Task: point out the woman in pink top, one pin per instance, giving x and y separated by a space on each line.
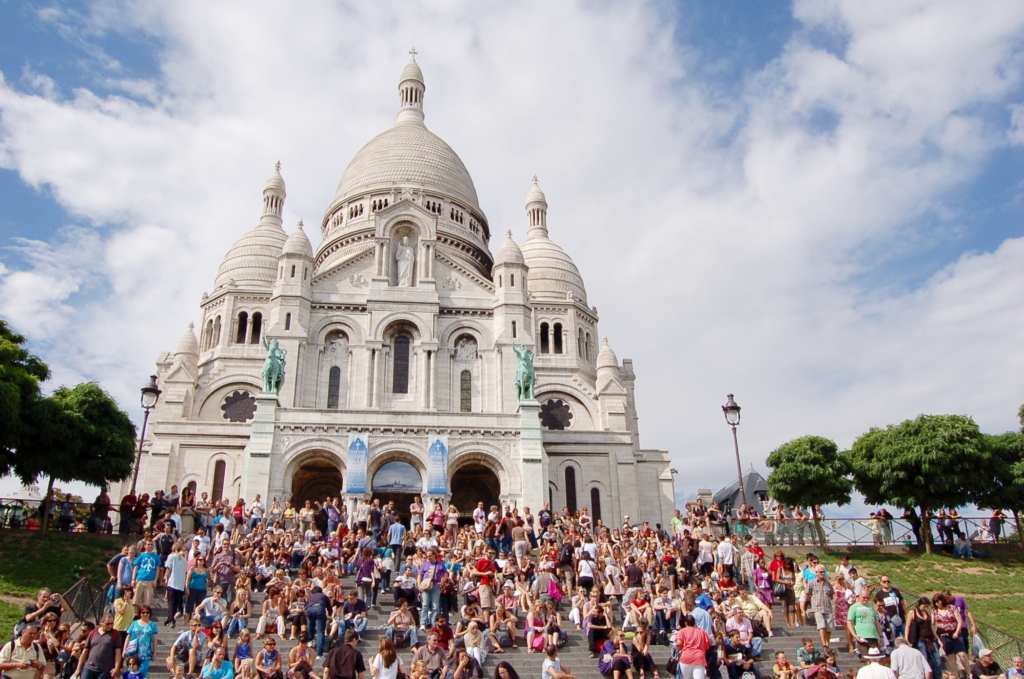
692 644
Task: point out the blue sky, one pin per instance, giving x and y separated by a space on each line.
818 203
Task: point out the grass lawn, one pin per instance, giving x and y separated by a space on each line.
993 587
29 562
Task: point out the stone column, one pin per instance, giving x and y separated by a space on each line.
256 456
533 458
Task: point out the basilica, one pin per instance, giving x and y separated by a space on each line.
400 337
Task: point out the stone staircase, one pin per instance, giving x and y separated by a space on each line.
574 654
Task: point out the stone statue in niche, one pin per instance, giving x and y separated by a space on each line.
405 257
465 349
337 346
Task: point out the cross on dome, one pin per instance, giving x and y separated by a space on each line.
535 180
413 53
277 166
300 224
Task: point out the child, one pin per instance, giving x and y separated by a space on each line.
419 670
134 670
782 668
243 650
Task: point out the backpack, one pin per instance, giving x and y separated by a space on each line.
116 637
565 558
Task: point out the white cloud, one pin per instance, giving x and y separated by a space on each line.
726 241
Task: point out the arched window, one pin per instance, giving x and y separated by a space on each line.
499 281
400 384
558 338
513 329
545 344
570 489
587 346
243 328
333 387
208 335
595 503
293 271
287 321
512 280
579 345
219 470
216 332
257 328
466 391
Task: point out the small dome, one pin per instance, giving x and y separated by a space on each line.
606 358
188 345
298 243
509 253
253 259
535 195
276 181
412 72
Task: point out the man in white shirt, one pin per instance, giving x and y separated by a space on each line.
256 513
907 662
875 666
479 518
726 556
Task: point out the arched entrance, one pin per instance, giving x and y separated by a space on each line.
473 483
317 478
399 482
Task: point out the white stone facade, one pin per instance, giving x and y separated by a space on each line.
401 326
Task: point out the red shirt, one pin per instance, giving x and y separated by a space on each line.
444 635
693 643
486 566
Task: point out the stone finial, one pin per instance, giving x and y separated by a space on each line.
413 53
535 180
300 224
606 341
277 166
509 233
191 326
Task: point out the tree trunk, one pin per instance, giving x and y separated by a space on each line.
926 530
47 503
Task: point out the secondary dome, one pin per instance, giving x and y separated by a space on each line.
252 260
298 243
408 155
552 274
188 345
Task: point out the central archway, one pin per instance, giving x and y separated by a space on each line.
316 478
399 482
473 483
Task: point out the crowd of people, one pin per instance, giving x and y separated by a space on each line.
455 588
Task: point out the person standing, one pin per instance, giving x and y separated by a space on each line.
875 666
145 567
431 572
176 567
101 655
823 603
862 621
895 605
907 662
344 661
318 610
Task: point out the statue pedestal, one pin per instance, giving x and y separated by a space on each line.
256 456
533 459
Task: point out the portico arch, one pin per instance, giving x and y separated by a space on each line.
476 477
313 475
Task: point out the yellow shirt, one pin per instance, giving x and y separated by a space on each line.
124 612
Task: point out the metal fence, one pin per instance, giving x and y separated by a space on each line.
845 532
27 514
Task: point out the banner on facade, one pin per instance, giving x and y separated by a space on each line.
437 465
357 463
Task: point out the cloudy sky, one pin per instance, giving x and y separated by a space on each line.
816 206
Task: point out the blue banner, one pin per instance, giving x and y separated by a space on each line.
357 452
437 466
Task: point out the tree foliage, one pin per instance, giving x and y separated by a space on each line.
929 462
20 375
78 434
809 471
1004 486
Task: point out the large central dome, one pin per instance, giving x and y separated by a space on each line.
408 155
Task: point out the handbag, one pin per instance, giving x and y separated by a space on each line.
672 666
427 584
554 591
779 589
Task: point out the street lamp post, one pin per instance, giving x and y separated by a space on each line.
150 394
732 416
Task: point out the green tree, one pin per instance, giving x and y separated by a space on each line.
20 375
928 462
1004 487
809 471
77 434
